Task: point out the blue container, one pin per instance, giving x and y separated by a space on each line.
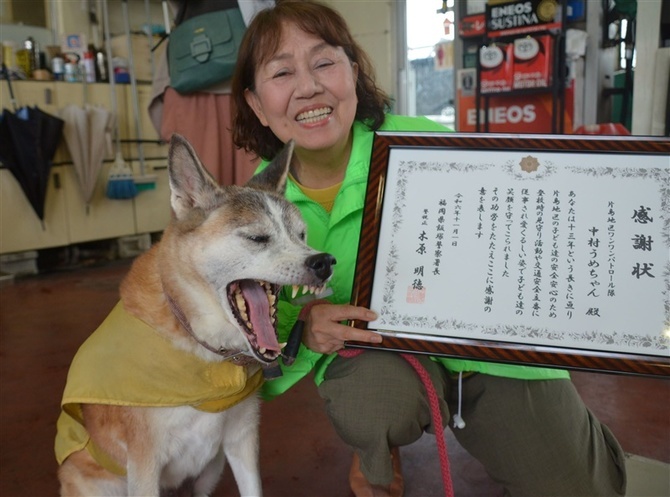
575 10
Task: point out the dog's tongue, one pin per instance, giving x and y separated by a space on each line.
258 309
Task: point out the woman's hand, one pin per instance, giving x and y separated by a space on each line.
325 334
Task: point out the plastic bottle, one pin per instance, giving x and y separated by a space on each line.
30 64
101 70
72 72
9 54
89 67
58 68
23 62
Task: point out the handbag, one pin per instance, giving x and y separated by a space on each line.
202 50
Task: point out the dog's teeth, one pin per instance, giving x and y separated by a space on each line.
272 299
240 302
305 289
295 291
319 290
262 350
272 319
282 345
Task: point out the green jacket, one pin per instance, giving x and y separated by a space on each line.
338 234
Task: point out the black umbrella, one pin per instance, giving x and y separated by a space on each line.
28 141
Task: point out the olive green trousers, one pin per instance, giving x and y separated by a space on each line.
534 437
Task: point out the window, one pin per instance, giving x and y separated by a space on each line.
428 80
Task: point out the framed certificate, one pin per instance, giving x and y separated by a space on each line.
528 249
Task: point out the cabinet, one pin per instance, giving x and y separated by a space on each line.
152 207
68 219
20 228
102 218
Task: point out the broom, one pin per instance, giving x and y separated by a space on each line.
120 182
144 181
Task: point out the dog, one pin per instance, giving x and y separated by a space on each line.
164 392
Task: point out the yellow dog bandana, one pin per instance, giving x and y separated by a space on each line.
126 363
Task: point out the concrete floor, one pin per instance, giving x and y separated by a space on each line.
44 319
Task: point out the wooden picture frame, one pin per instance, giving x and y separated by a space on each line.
548 250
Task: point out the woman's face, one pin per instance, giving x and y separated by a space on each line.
306 92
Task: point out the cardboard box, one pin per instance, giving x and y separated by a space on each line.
497 67
533 58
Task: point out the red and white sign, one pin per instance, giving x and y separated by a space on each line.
509 114
532 62
497 66
474 25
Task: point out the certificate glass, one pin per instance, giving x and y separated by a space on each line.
544 250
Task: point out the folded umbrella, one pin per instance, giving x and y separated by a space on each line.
86 132
28 142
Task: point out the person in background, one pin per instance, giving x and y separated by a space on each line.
172 112
302 76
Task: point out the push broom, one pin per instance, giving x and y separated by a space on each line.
120 181
144 181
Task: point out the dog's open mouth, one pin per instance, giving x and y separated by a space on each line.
254 304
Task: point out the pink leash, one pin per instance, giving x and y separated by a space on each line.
434 410
294 342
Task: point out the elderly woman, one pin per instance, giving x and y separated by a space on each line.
302 76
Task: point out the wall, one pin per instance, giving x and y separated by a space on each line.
21 11
72 17
369 21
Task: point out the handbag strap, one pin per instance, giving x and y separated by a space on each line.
193 8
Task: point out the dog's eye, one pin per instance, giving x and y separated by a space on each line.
259 238
303 236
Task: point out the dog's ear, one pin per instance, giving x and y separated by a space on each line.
273 177
191 185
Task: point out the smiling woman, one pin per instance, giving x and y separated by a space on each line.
325 50
306 92
302 76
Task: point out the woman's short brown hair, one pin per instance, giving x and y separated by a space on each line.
260 43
